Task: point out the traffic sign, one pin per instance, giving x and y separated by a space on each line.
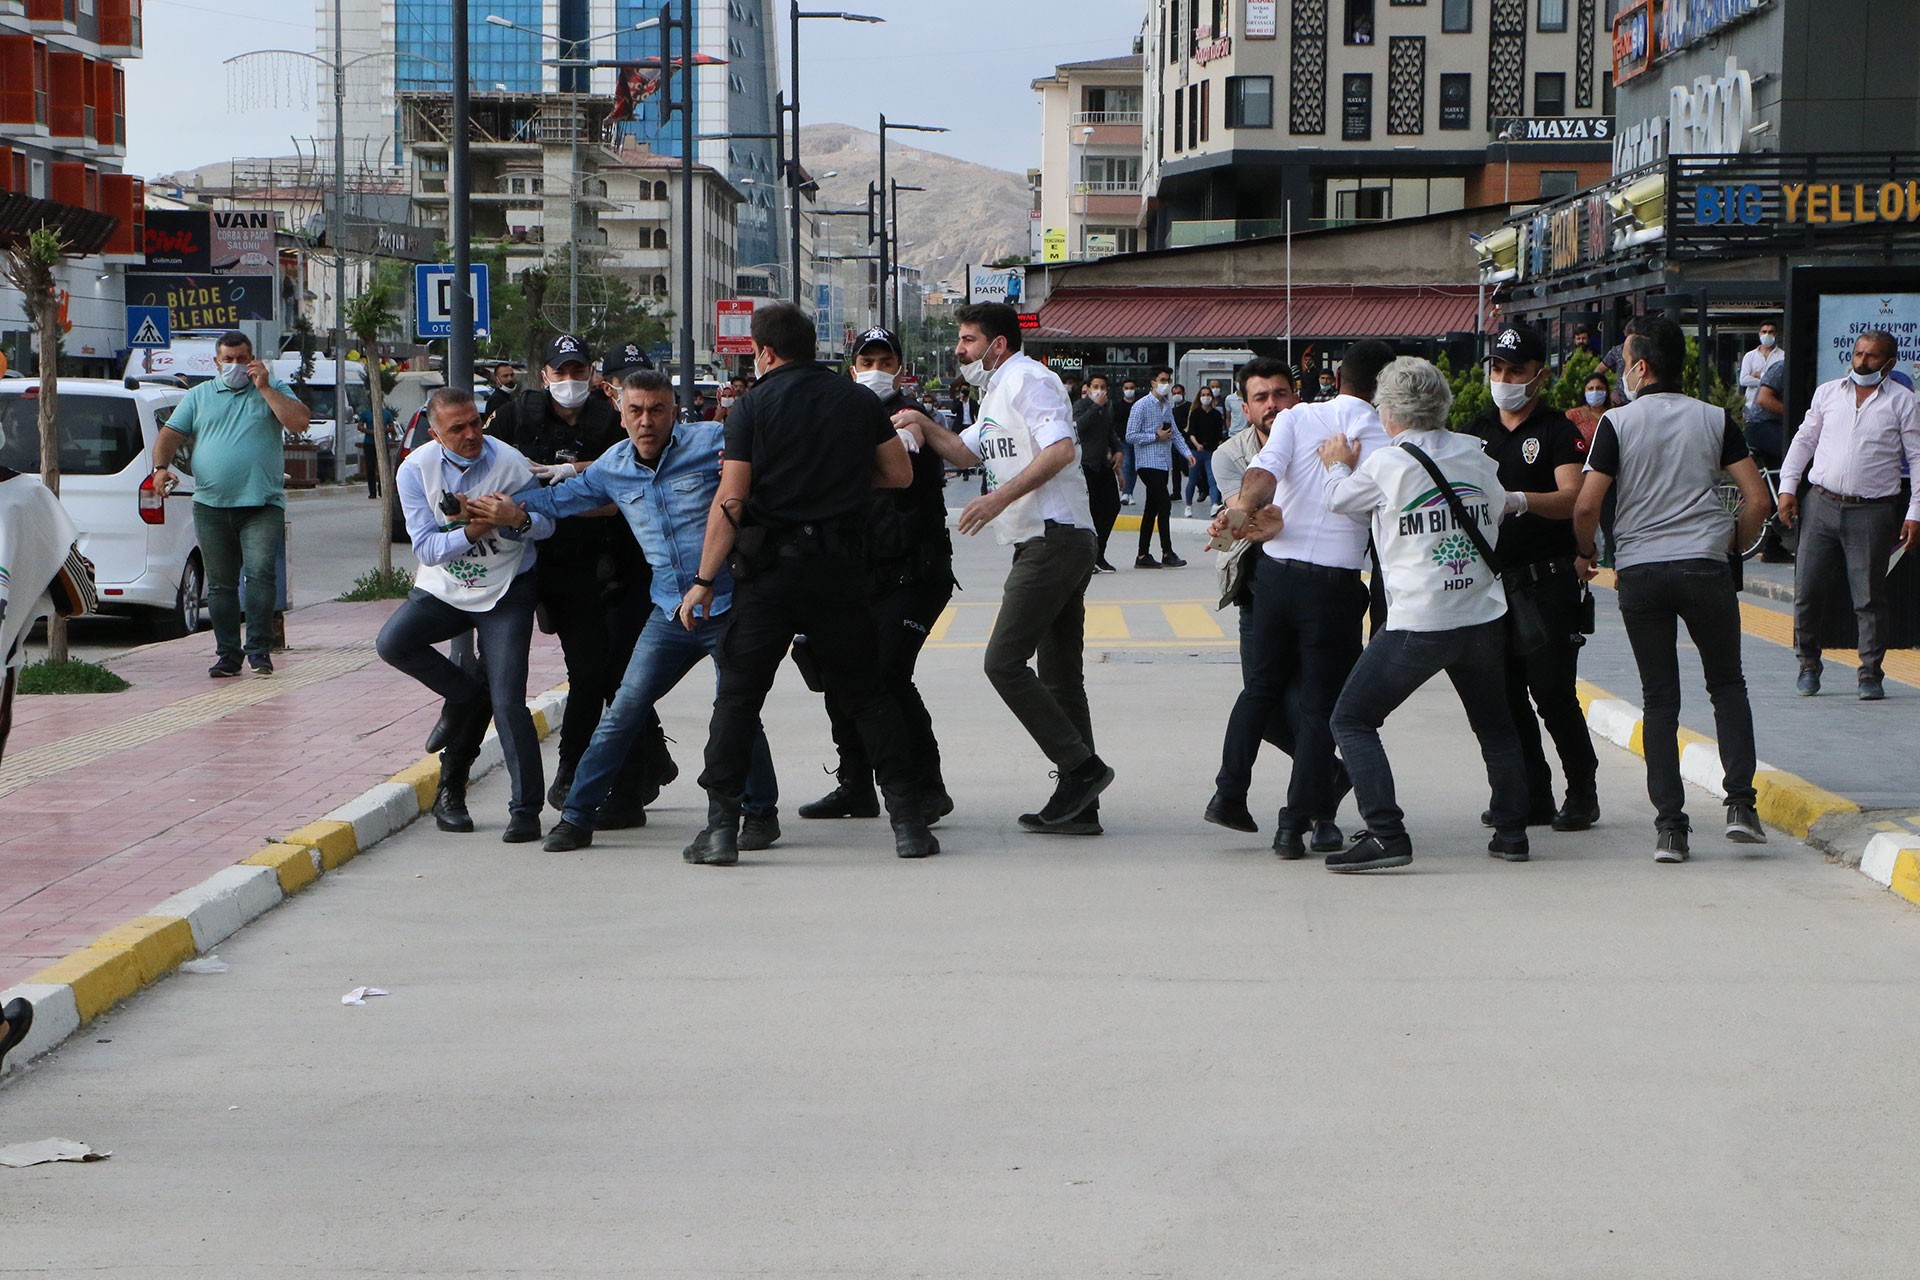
733 327
149 327
433 300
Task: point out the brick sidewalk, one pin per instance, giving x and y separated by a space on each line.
110 803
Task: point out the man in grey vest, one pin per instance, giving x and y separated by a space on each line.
1650 476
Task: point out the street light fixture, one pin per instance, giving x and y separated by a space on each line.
893 190
885 127
794 15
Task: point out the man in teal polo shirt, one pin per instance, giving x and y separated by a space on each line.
236 425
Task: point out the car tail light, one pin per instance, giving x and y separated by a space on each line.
153 503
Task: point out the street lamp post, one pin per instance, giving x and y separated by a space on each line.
885 126
794 15
894 189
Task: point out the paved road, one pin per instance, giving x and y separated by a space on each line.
1158 1053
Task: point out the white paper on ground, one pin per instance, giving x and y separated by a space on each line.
359 994
206 964
48 1151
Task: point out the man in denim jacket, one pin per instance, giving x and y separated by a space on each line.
662 479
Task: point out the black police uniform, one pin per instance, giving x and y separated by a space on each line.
1536 556
1100 439
910 576
593 585
800 568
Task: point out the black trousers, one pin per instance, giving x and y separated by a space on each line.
1159 507
597 635
823 597
1544 680
1306 638
1103 499
902 618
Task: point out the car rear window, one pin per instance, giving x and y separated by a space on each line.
99 435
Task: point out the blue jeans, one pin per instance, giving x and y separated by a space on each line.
233 539
1395 664
505 633
1200 477
664 654
1127 470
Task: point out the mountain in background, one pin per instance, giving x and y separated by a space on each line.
968 213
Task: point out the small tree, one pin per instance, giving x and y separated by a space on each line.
367 317
29 268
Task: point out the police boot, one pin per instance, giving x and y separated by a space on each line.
719 844
907 811
450 801
657 768
853 798
457 723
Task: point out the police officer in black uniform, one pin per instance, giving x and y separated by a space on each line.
805 448
591 570
1541 453
910 575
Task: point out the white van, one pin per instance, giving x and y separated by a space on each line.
146 556
339 445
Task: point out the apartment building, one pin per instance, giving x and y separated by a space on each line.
1088 184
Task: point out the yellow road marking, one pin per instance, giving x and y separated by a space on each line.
1106 622
943 625
1191 621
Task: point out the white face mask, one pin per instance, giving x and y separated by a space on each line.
234 376
1098 395
1206 402
1163 389
975 371
1596 398
569 393
1511 396
878 381
1627 388
1767 340
1867 379
1131 393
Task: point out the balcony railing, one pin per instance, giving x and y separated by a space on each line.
1107 188
1106 117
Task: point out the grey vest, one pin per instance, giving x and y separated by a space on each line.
1665 507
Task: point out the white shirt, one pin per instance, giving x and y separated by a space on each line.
1753 366
1292 457
1024 411
1236 414
1856 449
1436 579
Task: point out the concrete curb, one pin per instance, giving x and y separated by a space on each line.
78 988
1785 800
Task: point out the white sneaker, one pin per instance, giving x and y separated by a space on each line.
1126 499
1189 511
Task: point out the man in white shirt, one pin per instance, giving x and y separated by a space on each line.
1308 601
1037 501
1850 446
1754 364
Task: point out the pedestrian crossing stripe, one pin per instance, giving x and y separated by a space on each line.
147 335
1133 624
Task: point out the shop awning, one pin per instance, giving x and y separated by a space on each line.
1235 314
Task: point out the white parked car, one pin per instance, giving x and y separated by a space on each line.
145 554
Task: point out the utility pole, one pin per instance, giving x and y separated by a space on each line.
794 15
684 106
338 234
459 370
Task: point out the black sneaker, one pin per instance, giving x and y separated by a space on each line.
1369 852
713 847
1172 561
1513 848
1230 813
853 798
565 838
1289 845
1086 824
759 831
1671 845
1145 562
1577 814
1079 787
1743 825
224 669
1327 837
1104 567
262 665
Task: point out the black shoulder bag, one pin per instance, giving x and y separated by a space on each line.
1526 629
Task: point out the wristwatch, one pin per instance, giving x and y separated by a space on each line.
699 581
525 526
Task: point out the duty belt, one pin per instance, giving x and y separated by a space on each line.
1540 570
1848 499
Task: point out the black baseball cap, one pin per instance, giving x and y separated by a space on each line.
626 358
566 349
878 336
1516 344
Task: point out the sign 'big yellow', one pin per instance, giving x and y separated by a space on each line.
1834 202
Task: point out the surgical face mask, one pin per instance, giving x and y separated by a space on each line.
1098 395
1163 389
1596 398
1627 388
569 393
1131 393
1177 398
1511 396
725 401
1206 401
1767 340
975 372
878 381
234 375
1867 379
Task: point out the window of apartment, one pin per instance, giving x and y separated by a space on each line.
1607 99
1553 15
1457 15
1456 100
1356 114
1179 120
1206 110
1374 204
1170 33
1558 182
1359 22
1113 173
1249 102
1550 93
1193 116
37 180
1111 104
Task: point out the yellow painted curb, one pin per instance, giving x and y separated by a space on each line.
1126 524
1906 876
158 943
423 777
293 863
334 840
1794 804
539 723
119 962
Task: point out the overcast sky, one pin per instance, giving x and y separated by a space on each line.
968 67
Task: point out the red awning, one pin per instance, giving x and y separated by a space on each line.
1224 313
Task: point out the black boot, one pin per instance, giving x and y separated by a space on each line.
562 783
853 798
657 769
907 811
718 845
450 802
457 723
